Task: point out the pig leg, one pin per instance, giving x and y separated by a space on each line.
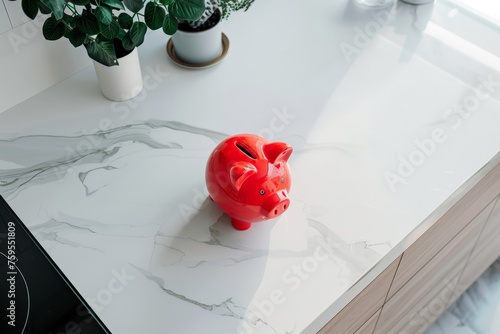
240 225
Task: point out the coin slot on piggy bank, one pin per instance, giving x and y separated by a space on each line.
245 150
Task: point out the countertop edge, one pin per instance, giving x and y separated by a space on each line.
401 247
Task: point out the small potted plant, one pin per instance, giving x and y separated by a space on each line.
200 42
111 31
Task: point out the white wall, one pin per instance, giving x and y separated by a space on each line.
28 63
16 14
4 19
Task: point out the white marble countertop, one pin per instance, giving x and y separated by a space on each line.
393 114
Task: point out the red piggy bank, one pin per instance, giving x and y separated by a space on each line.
249 179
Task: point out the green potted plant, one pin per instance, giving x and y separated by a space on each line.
111 30
200 42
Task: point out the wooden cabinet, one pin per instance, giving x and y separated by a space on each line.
486 250
490 231
369 326
447 227
363 306
433 271
436 266
405 311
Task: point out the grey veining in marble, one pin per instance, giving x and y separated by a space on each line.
42 158
130 198
192 241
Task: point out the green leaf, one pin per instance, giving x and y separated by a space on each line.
117 4
52 29
166 2
110 31
121 34
30 8
70 20
56 6
43 9
125 20
76 37
79 2
187 9
137 32
102 52
88 23
154 16
127 42
103 15
170 25
134 5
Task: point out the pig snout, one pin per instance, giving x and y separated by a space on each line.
276 204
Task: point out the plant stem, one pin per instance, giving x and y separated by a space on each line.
72 8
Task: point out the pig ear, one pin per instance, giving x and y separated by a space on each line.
276 152
239 172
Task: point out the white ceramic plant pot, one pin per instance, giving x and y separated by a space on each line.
198 47
416 2
122 82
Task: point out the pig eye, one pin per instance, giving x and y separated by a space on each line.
282 180
262 192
